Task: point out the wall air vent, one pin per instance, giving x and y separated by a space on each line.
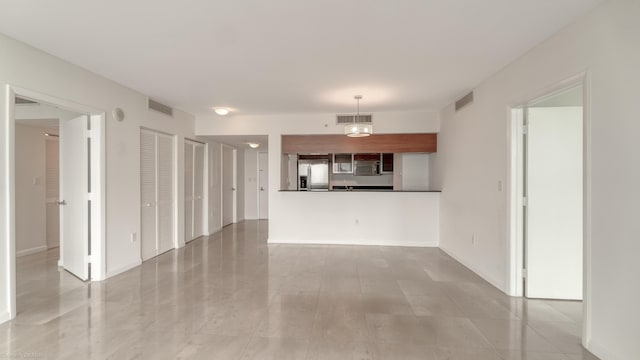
464 101
23 101
348 119
160 107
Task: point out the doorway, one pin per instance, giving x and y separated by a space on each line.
548 194
228 185
81 194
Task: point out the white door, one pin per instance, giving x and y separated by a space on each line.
198 190
165 193
74 238
156 189
52 165
263 185
188 191
553 231
148 211
228 185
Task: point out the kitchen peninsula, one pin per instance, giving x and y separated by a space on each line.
366 191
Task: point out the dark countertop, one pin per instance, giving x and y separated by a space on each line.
365 190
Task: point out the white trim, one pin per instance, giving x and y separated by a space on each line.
475 269
587 206
32 250
99 208
125 268
514 203
349 242
4 316
10 234
235 186
215 231
601 352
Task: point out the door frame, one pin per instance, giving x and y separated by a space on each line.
514 221
98 160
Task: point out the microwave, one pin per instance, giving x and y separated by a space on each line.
366 167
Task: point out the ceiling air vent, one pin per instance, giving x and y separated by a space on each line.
348 119
160 107
464 101
23 101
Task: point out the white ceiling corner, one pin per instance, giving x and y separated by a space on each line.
291 56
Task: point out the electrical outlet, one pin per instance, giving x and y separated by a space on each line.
499 185
134 237
473 239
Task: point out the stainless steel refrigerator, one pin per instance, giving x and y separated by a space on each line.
313 175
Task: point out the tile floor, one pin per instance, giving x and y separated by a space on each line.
232 296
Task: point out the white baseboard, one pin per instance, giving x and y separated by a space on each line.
4 317
353 242
33 250
473 268
122 269
601 352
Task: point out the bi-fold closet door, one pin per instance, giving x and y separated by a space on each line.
157 193
194 189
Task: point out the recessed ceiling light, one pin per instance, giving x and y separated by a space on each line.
253 145
221 111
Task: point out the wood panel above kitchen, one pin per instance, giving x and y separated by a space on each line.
377 143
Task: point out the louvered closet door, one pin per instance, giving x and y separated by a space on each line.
188 191
148 192
165 192
198 190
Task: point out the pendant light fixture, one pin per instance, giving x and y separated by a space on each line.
357 128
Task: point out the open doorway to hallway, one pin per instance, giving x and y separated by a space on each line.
38 221
547 191
57 240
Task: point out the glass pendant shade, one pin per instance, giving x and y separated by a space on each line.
357 128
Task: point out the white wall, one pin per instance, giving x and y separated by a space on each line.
415 171
283 207
25 67
34 114
473 156
358 218
31 220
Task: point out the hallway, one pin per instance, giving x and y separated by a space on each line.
232 296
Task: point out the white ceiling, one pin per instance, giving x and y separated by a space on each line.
291 56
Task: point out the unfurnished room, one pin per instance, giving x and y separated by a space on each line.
433 180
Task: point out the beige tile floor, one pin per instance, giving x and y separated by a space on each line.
232 296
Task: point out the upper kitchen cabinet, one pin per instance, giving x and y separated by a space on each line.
343 163
387 163
377 143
